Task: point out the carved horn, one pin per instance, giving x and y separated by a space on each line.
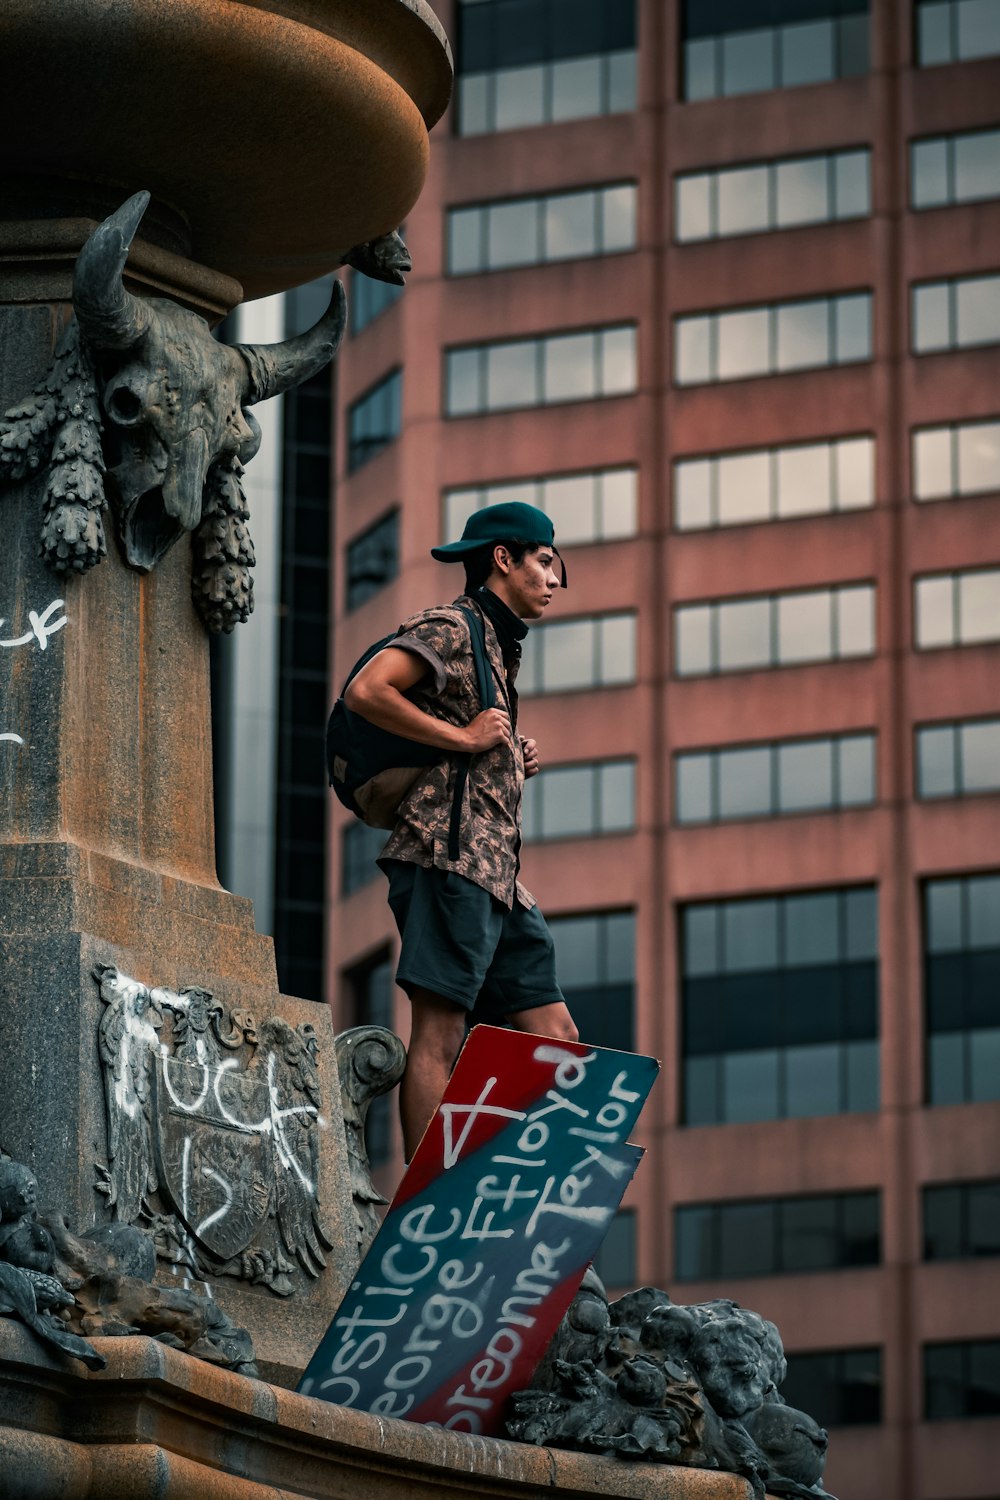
276 368
109 316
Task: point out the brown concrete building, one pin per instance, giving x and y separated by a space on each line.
719 285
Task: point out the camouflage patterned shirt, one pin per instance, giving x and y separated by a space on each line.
491 804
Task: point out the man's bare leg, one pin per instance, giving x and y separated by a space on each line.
436 1034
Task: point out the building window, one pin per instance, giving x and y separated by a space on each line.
372 560
534 62
774 484
780 1006
769 340
961 1220
770 44
531 231
575 801
539 372
958 759
370 991
615 1260
960 458
962 1380
776 1236
771 195
774 630
599 506
838 1387
595 964
957 609
301 669
374 420
957 314
956 30
962 988
773 780
568 655
960 168
369 299
360 846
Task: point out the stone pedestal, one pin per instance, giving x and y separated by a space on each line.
273 139
156 1422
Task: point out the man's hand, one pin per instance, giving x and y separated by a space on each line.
529 750
487 729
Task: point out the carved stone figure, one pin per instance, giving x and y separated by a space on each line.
694 1385
370 1061
212 1133
28 1289
141 396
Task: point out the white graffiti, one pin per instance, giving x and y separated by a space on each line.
42 627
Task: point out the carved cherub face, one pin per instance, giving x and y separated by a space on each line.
730 1366
18 1191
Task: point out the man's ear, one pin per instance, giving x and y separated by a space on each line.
501 558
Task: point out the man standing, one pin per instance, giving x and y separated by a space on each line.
473 942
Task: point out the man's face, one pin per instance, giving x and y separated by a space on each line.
528 586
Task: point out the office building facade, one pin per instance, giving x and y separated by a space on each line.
718 286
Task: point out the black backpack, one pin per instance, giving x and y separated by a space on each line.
372 769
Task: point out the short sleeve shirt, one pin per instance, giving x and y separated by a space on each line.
490 839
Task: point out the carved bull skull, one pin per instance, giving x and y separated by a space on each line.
141 392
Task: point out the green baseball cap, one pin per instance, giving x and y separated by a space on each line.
513 521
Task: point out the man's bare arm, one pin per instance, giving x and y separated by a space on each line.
377 694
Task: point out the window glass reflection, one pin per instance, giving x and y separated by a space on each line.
932 463
744 481
979 747
693 207
979 607
744 783
693 789
743 344
693 494
804 475
852 185
805 775
512 233
576 88
747 62
569 367
519 97
802 335
802 191
807 54
743 200
936 767
805 627
570 225
744 635
511 376
978 457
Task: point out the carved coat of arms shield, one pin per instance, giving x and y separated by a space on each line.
213 1150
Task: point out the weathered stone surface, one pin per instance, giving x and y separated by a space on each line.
286 132
158 1423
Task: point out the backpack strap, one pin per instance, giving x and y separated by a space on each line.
487 699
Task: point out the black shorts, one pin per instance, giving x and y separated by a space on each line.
460 942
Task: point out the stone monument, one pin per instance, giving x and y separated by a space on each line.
182 1169
153 1076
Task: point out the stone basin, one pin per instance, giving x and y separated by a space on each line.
274 135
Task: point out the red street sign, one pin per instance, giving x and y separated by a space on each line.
503 1207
